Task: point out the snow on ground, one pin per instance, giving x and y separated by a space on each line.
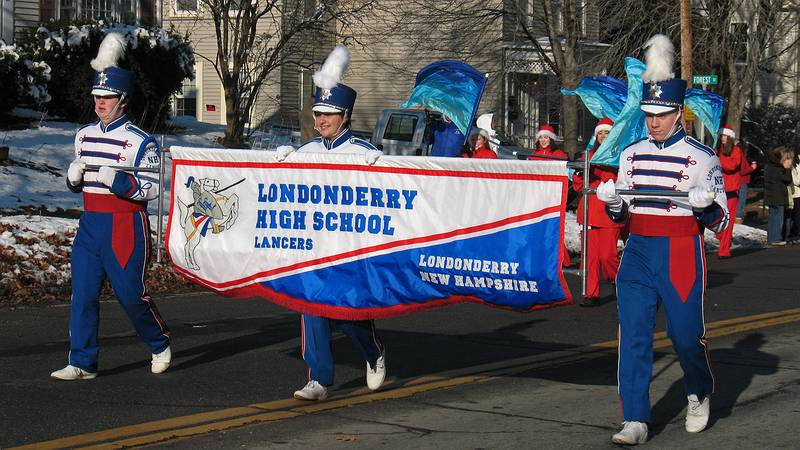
35 181
40 157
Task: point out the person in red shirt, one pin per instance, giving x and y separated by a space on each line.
602 257
545 140
480 147
731 159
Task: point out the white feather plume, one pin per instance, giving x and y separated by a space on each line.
330 74
659 57
111 50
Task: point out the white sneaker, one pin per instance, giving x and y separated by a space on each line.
632 433
312 391
72 373
697 413
160 362
376 376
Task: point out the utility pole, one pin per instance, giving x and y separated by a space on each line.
686 47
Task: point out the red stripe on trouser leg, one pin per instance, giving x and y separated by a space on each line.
122 240
682 265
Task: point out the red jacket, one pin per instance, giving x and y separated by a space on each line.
731 168
550 152
597 209
481 152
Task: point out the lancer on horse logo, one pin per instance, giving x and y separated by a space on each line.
210 211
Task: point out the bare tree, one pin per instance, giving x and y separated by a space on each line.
564 46
738 40
256 37
743 40
478 31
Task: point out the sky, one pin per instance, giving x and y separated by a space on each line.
35 181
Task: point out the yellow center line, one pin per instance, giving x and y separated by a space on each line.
224 419
711 327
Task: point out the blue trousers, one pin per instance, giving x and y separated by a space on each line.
775 221
656 271
92 260
316 344
742 200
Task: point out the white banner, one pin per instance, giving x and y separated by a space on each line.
329 235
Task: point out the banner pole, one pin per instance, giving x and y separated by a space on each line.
159 231
585 240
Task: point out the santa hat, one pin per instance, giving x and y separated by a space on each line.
727 130
604 124
546 130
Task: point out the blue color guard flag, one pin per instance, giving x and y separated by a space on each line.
609 97
328 235
452 88
707 106
603 96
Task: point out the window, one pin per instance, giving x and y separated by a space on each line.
67 9
186 101
401 127
186 6
739 35
96 9
125 11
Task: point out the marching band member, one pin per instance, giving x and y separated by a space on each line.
545 139
333 108
479 146
113 238
545 150
603 233
663 263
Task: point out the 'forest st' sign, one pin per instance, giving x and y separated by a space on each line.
705 79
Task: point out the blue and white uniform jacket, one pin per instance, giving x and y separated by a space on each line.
344 143
677 164
119 143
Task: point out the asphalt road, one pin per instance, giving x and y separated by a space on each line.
463 376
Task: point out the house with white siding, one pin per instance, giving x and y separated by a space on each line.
521 90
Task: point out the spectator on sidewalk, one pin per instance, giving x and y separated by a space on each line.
793 225
777 180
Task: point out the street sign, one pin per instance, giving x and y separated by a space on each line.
705 79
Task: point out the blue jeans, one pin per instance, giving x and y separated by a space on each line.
775 224
742 200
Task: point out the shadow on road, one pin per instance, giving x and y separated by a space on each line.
734 371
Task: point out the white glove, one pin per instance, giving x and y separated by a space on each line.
106 175
700 197
371 157
75 172
283 152
607 193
